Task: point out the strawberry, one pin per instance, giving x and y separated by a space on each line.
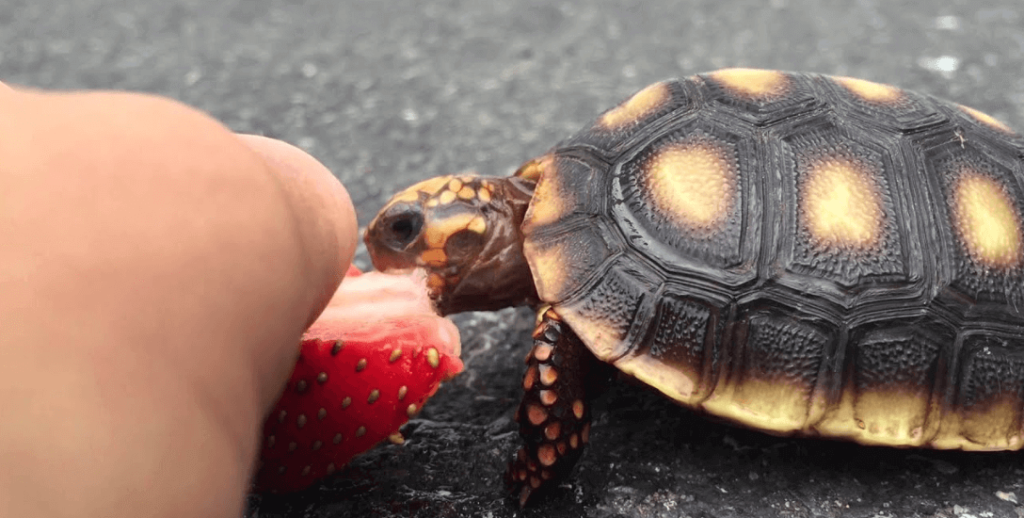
367 365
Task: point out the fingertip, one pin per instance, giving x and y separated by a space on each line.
322 208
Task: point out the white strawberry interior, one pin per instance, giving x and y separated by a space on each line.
379 299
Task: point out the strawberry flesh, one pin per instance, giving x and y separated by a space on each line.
368 364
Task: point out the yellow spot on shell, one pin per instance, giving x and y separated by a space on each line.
641 104
762 404
549 267
870 91
841 204
602 337
467 193
549 201
986 119
987 220
693 184
535 168
446 197
433 358
752 83
678 382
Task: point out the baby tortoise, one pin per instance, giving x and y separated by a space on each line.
796 253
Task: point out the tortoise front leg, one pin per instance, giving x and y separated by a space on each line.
554 415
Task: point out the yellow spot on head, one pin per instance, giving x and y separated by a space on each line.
428 187
841 205
477 225
987 119
438 230
432 186
467 193
642 103
455 184
693 184
435 282
406 196
987 220
446 197
434 257
753 83
485 195
869 91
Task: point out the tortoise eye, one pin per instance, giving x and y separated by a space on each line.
403 227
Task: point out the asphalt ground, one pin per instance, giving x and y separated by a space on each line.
386 93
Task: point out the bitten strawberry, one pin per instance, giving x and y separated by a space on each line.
367 365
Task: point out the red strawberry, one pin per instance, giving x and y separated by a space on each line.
368 364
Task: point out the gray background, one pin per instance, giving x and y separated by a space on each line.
385 93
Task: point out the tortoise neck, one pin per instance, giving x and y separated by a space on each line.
499 276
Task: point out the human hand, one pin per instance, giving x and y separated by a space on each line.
156 272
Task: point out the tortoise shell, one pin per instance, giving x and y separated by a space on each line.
798 253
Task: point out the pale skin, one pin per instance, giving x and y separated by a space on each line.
156 273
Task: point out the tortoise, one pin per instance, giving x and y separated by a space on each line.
797 253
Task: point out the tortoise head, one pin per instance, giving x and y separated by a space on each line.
464 231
